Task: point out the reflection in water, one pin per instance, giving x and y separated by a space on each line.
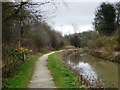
93 69
85 70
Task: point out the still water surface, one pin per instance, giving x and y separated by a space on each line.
95 69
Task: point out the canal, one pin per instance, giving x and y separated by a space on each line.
94 69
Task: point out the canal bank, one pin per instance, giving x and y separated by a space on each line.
113 57
62 75
93 69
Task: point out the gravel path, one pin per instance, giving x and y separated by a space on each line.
42 77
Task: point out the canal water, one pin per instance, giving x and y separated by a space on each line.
94 69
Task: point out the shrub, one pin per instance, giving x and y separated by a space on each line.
21 53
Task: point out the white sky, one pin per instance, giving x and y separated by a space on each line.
79 14
68 29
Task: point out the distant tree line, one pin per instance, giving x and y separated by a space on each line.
106 23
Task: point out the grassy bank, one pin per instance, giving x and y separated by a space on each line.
21 80
63 77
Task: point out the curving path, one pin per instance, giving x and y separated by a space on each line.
42 77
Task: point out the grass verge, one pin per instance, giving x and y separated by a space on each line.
21 80
63 77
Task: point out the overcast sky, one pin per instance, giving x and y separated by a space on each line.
73 16
77 16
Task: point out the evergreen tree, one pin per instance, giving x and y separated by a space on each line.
104 21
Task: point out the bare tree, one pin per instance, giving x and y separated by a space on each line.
75 27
